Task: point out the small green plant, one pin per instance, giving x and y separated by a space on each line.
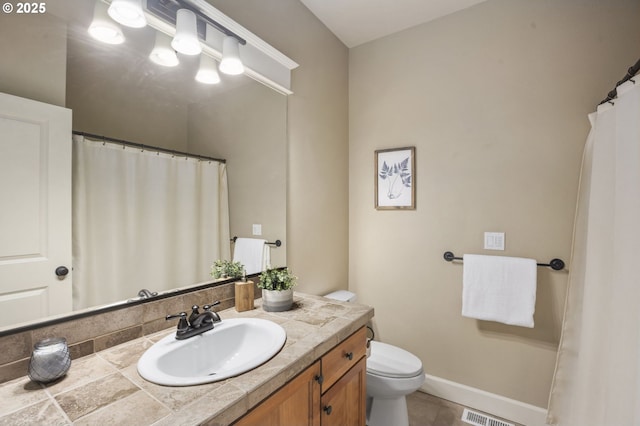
277 279
227 269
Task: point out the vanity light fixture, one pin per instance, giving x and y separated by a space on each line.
231 63
162 53
208 71
186 38
128 13
102 28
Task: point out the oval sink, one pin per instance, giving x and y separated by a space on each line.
233 347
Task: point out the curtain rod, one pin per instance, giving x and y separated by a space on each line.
148 147
632 71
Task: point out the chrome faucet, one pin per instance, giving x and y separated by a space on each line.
145 294
197 323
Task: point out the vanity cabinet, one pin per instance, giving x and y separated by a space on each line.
345 402
297 403
329 392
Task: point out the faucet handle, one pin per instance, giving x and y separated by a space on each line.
182 324
208 307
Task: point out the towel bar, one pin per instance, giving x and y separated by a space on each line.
555 264
276 243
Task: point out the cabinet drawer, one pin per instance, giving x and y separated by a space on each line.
344 356
345 403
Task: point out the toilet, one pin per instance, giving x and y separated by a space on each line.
392 373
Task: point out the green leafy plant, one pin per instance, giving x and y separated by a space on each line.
277 279
227 269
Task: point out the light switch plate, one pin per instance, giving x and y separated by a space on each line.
257 229
494 240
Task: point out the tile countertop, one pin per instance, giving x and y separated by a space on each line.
105 388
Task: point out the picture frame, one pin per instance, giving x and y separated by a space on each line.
394 178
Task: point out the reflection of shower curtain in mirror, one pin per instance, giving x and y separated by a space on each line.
143 219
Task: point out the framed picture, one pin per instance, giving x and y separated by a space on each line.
395 181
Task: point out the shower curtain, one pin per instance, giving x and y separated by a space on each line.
143 219
597 377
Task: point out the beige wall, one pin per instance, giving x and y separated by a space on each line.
34 57
317 175
495 99
247 127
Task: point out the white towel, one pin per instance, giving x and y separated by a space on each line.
497 288
253 253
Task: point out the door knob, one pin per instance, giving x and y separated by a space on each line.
62 271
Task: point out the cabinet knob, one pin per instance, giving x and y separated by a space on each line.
349 356
328 409
319 378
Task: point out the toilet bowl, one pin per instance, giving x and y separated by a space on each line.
392 373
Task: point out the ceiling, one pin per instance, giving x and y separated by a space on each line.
356 22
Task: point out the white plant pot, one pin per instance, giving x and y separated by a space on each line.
277 300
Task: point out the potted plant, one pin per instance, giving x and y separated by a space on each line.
227 269
277 289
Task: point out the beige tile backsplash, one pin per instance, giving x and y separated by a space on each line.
95 333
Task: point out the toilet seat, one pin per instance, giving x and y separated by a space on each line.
393 362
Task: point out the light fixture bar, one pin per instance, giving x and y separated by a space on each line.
262 61
167 10
224 30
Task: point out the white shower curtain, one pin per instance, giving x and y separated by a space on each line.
143 219
597 378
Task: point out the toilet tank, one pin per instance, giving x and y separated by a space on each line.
342 296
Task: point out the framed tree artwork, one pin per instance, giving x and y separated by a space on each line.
395 183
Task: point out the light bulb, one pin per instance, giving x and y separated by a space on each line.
128 13
207 73
231 62
162 53
102 28
186 38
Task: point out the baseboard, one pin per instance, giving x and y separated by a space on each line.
490 403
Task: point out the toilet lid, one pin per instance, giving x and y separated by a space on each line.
390 361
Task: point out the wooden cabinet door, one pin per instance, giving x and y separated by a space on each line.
297 403
344 404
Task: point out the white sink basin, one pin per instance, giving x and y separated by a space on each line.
233 347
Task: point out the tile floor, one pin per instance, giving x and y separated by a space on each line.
428 410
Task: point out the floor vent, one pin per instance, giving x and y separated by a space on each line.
479 419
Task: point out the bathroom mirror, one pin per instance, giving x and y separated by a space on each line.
115 91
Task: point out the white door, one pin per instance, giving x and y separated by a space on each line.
35 210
